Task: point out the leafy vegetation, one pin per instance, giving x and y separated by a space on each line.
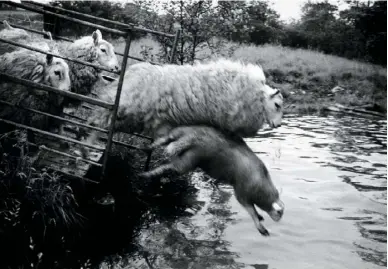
358 32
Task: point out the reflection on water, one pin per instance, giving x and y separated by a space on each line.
333 176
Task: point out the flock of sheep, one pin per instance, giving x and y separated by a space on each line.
200 113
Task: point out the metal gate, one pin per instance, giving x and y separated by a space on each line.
126 31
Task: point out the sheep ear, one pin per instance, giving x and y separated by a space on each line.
97 37
48 34
275 93
49 59
36 75
7 25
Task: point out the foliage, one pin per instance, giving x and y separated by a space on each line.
207 26
34 205
112 10
358 32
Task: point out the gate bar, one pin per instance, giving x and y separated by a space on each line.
175 44
117 101
84 120
26 28
58 56
50 134
136 58
73 122
37 31
53 116
76 96
73 176
125 25
71 40
43 147
41 11
123 144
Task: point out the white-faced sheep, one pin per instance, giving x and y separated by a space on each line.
230 96
226 159
39 68
92 49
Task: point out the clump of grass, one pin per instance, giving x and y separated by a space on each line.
36 206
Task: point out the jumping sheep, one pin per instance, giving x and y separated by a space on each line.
38 68
228 160
230 96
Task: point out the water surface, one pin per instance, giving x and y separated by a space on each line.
333 179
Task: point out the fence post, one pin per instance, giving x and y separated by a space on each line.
51 23
174 45
117 101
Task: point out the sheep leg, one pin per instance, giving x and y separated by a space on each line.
157 143
250 208
90 140
165 139
257 218
179 165
61 131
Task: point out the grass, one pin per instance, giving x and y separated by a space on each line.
307 77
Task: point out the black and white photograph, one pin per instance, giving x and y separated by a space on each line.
193 134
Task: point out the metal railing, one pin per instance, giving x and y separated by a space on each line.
125 31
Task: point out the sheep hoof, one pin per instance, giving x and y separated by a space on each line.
263 231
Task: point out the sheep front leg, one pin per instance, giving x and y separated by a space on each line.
257 218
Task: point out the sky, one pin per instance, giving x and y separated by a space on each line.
292 9
288 9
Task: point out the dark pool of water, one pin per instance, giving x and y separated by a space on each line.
333 177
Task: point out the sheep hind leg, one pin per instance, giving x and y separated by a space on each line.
179 165
165 139
91 140
63 144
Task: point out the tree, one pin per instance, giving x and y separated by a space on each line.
105 9
195 18
369 22
249 21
